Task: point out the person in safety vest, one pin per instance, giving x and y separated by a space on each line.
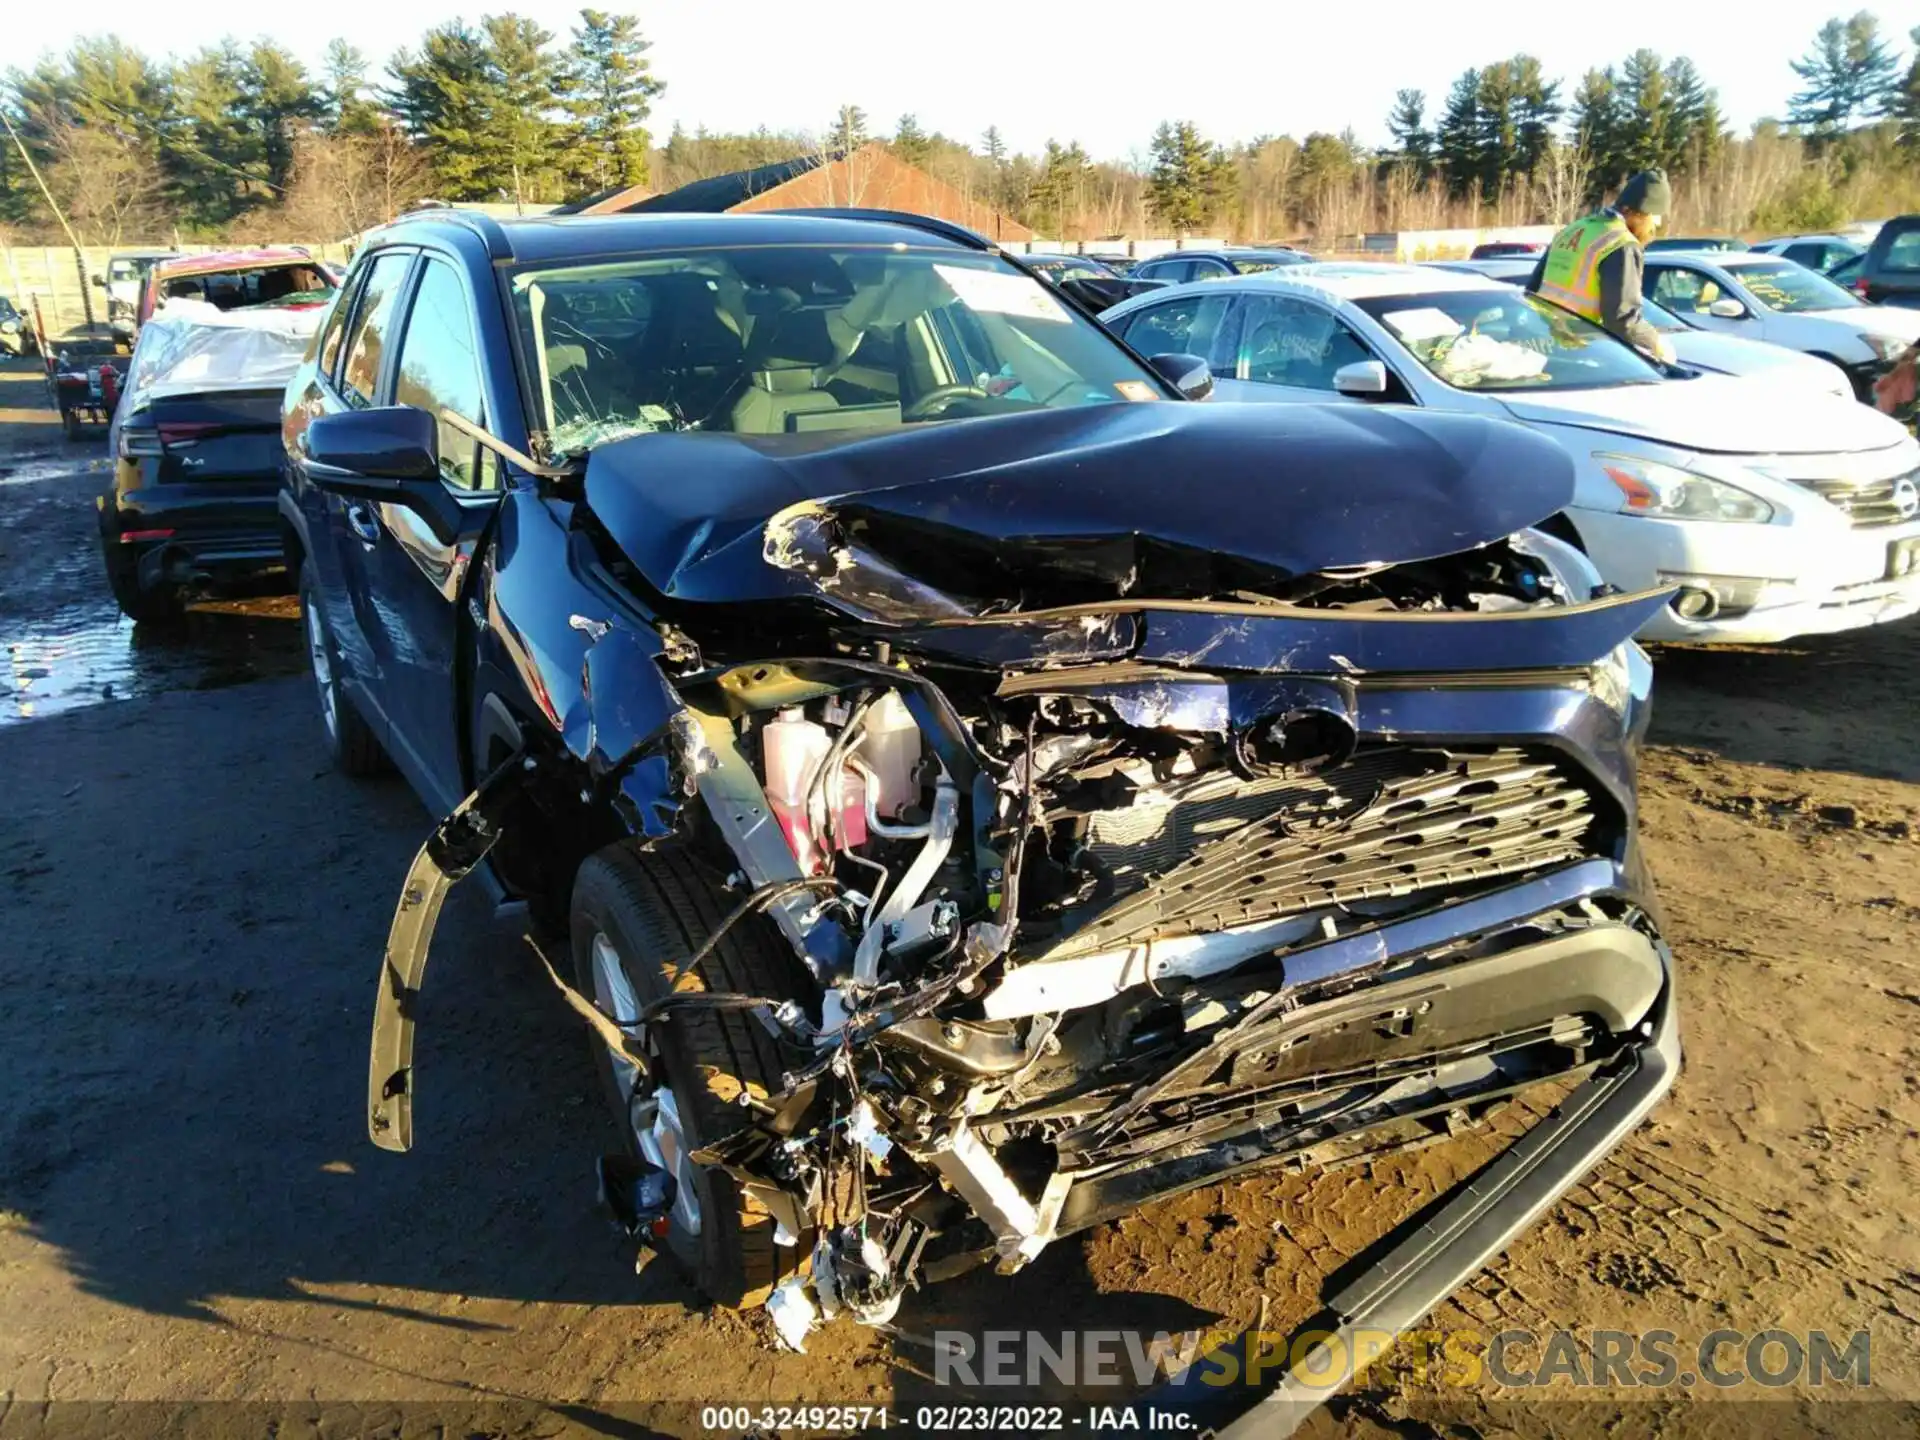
1594 266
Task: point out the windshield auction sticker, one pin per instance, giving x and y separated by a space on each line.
1425 323
991 293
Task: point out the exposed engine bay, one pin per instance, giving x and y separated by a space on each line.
1097 863
1078 936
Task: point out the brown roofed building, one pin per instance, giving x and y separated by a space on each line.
606 202
870 177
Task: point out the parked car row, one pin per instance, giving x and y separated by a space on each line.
1771 517
968 788
1697 349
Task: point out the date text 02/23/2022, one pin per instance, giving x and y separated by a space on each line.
937 1419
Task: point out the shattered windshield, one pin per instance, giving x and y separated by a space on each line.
294 284
1506 340
788 340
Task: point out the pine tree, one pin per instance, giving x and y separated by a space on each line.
526 81
1599 125
1699 133
216 159
910 142
849 130
1850 73
1537 110
443 97
1906 106
345 108
996 154
610 88
1059 190
1184 183
1413 143
1497 139
96 128
1457 138
276 97
1649 138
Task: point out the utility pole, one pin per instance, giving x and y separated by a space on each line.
79 253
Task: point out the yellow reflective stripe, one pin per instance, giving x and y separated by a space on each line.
1603 245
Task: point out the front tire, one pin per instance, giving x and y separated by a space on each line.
635 919
351 743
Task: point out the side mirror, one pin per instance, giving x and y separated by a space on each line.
373 454
1362 377
389 456
1727 308
97 280
1188 374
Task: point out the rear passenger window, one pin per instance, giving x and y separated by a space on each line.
440 369
373 318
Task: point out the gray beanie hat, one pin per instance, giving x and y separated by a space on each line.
1647 192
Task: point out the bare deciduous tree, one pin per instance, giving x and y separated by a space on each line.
1561 182
343 184
108 184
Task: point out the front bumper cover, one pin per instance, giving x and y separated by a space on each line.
1436 1252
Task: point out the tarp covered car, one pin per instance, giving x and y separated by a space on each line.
195 447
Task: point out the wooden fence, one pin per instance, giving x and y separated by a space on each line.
58 277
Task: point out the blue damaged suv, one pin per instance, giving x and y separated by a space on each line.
967 788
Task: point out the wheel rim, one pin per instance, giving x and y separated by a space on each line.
658 1133
322 670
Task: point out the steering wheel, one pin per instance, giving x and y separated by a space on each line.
939 398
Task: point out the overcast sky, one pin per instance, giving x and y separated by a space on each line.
1096 71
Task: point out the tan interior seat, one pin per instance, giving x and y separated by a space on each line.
772 396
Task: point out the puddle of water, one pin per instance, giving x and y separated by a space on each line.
33 469
92 656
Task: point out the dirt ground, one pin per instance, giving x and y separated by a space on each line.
190 1212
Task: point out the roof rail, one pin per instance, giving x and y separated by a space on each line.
946 229
485 226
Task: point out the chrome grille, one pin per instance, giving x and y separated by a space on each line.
1391 823
1867 503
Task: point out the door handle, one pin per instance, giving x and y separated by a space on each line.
360 520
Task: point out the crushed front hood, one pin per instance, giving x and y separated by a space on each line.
1097 495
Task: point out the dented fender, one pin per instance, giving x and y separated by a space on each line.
631 730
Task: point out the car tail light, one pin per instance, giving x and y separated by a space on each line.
137 443
134 537
179 434
1860 287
